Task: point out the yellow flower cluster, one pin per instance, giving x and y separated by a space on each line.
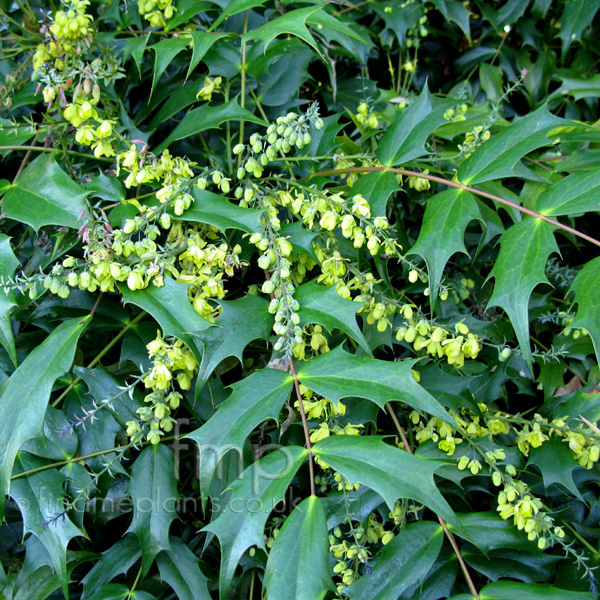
173 360
74 23
318 344
474 139
438 341
289 131
210 86
365 117
156 12
81 114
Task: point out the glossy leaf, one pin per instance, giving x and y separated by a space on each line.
40 498
520 266
154 496
576 193
337 375
376 188
180 570
303 540
170 306
253 400
401 563
253 496
405 138
233 7
585 288
27 393
218 211
292 22
442 234
323 305
45 195
241 321
165 51
202 43
208 117
500 155
391 472
576 17
8 265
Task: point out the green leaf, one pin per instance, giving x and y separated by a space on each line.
300 238
585 287
576 17
292 22
116 560
135 47
404 140
446 218
40 499
253 400
13 135
233 7
45 195
202 43
401 563
27 393
577 193
181 571
170 306
489 531
323 305
500 155
154 495
520 266
509 590
376 188
166 50
303 540
8 265
253 496
337 374
241 321
208 117
391 472
556 462
216 210
187 10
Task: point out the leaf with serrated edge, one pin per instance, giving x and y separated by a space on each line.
40 498
401 563
218 211
576 17
253 496
391 472
233 7
499 156
45 195
27 393
576 193
404 140
520 266
253 400
585 287
376 188
153 492
337 375
241 321
323 305
165 51
181 571
303 540
170 306
447 215
8 264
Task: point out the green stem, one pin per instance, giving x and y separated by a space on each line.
243 86
460 186
591 548
101 355
42 149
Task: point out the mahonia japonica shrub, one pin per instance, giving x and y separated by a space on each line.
299 300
